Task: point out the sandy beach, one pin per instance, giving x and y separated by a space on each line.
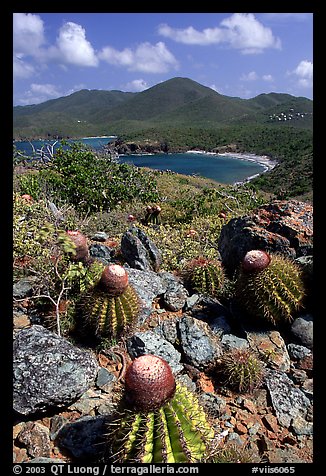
263 160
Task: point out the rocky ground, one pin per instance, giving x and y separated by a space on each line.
64 392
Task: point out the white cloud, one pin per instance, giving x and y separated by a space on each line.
21 68
28 33
39 93
252 76
267 77
146 58
303 74
240 31
136 85
304 70
72 47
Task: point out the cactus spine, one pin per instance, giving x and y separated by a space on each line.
175 431
112 305
204 275
241 370
269 287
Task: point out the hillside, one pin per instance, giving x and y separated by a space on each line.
178 101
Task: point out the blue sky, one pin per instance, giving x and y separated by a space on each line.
236 54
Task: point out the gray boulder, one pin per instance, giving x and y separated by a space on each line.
288 401
303 329
200 346
176 294
139 251
48 371
151 343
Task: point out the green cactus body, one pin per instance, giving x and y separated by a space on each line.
109 316
241 370
177 432
273 293
205 276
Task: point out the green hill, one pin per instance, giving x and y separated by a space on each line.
178 101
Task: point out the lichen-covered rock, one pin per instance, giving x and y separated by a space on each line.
139 251
288 401
48 371
151 343
282 226
200 346
176 295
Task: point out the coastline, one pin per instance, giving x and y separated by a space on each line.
263 160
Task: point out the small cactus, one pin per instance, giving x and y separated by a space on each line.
111 307
80 242
241 370
161 421
153 215
204 275
269 287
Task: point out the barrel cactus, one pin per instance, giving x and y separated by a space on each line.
112 305
269 287
241 370
79 241
160 421
153 215
204 275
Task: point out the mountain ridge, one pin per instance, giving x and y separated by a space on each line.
177 101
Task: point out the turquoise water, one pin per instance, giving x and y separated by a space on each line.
220 168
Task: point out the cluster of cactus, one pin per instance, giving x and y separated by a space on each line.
153 215
204 275
112 305
241 370
269 286
160 421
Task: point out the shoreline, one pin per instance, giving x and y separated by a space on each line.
263 160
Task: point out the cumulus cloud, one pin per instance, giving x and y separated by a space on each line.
28 34
303 74
240 31
136 85
267 77
39 93
72 47
31 50
146 58
252 76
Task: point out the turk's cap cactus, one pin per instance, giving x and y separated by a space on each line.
114 280
255 260
149 383
80 242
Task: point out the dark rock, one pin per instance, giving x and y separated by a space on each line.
105 379
302 329
282 226
200 346
148 286
139 251
101 252
168 330
288 401
176 294
48 371
84 437
100 236
230 341
298 352
220 326
151 343
23 288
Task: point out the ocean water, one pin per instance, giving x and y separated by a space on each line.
223 169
